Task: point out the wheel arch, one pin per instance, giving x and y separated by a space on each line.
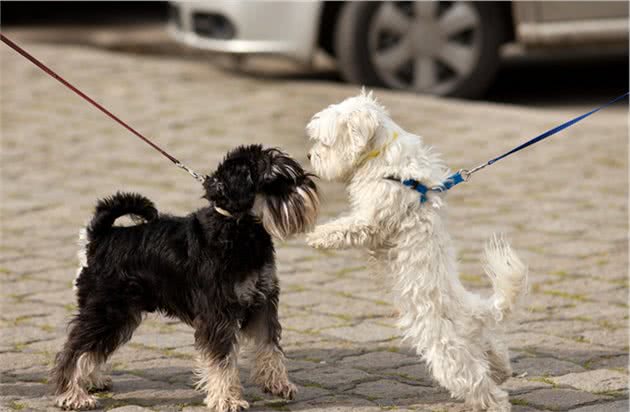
328 25
331 10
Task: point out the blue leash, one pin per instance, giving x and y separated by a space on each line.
464 175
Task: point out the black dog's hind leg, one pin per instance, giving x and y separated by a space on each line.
94 335
264 331
216 339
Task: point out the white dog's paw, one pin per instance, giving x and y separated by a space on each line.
314 241
323 239
316 238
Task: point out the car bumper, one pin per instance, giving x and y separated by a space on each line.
245 27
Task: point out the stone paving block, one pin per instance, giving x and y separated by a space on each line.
391 392
379 360
617 362
364 332
615 406
576 350
130 408
164 368
337 403
36 373
611 338
298 364
44 403
418 373
23 389
58 297
11 361
331 377
595 311
435 407
312 322
517 385
48 347
544 366
15 337
557 399
600 380
165 340
136 390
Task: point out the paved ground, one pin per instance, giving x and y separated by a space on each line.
563 204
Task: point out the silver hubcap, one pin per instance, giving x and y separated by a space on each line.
426 46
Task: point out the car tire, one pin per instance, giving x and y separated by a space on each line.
356 56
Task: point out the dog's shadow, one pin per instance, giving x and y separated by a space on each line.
367 377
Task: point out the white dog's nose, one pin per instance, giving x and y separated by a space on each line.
308 156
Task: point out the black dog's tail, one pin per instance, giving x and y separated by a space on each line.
120 204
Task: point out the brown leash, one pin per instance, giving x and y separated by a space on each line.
46 69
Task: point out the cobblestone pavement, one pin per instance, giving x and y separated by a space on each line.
563 204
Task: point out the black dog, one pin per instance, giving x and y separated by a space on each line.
213 269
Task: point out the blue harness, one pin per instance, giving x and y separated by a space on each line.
464 175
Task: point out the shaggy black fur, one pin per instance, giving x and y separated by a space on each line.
194 267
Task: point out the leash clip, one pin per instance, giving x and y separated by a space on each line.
465 174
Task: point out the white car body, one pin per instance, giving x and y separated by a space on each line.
443 48
284 28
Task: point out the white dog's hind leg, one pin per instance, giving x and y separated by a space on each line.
499 359
466 374
487 396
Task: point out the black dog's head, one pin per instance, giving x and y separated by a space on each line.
268 184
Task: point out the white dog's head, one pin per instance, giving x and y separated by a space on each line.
342 133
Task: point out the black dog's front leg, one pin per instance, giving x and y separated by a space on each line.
217 372
264 331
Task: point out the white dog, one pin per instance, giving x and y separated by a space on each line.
455 331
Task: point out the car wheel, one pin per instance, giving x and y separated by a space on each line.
442 48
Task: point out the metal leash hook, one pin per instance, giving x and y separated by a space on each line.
197 176
465 174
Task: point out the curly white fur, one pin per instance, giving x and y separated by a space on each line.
455 331
75 395
270 373
219 379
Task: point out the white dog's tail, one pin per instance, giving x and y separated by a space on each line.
508 275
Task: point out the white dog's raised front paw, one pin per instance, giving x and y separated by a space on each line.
323 239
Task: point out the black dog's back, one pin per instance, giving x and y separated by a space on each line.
156 264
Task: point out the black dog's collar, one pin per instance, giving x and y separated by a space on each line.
223 212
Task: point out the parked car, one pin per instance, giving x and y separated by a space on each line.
449 48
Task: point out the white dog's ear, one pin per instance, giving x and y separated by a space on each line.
324 127
361 125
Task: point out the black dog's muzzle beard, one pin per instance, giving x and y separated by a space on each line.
289 213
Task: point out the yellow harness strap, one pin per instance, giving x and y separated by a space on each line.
377 152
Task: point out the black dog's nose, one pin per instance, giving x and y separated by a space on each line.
308 156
